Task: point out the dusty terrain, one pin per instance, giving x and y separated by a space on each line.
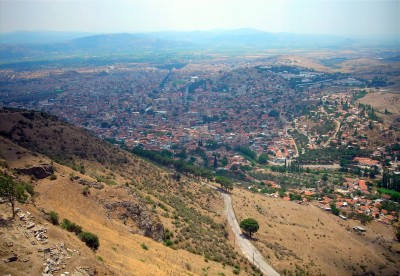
191 212
304 239
120 252
383 100
17 239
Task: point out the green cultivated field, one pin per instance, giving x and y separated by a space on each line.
389 192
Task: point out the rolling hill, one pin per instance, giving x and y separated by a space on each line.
130 204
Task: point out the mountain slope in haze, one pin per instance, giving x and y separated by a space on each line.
25 37
137 197
256 38
122 44
104 45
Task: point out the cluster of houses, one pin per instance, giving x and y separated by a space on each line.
351 126
351 199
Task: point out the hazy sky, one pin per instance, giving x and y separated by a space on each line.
341 17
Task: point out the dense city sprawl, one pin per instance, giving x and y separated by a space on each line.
271 125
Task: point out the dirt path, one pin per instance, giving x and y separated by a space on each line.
337 128
320 166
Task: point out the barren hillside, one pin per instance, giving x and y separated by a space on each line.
147 222
305 239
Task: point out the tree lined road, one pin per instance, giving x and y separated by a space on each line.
248 249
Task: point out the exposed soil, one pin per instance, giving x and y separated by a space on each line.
304 238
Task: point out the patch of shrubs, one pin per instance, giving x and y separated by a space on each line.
167 237
30 188
236 270
86 191
90 239
54 218
168 243
71 227
20 193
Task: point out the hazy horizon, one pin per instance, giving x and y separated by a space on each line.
325 17
86 33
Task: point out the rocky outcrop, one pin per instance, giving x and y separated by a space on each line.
39 171
96 185
147 222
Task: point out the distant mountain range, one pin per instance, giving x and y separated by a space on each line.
45 45
24 37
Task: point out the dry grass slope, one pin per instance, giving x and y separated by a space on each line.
192 213
299 239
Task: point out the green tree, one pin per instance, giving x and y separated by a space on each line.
246 152
324 177
273 113
334 209
263 158
249 225
215 162
11 191
226 183
182 154
224 161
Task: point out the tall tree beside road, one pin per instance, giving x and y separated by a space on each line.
249 225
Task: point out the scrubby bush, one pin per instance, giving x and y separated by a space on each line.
91 240
86 191
53 217
71 227
168 234
168 243
236 270
30 188
3 164
53 177
21 195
